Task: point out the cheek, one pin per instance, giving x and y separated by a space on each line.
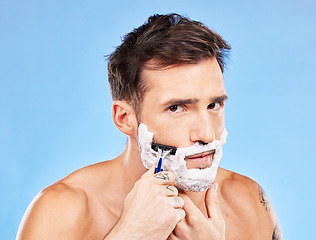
171 134
218 124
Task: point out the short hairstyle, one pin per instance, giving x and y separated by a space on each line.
169 40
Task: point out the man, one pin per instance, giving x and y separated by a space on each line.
167 84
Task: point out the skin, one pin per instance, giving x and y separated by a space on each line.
121 199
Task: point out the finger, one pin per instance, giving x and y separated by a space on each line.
189 207
165 177
150 171
212 203
170 191
172 237
180 214
182 229
176 202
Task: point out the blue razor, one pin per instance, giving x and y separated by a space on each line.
155 147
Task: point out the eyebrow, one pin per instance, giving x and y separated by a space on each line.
219 99
180 101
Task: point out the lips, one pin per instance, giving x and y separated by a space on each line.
200 155
201 160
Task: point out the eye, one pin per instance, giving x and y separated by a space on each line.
175 108
214 106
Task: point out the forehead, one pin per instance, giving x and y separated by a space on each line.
204 79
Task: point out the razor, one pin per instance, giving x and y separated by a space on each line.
166 148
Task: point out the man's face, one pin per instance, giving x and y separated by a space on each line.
184 105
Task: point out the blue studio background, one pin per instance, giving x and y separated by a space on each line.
55 105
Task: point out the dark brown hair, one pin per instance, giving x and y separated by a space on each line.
169 40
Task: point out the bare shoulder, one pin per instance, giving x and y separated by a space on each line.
75 207
239 193
237 187
244 200
56 212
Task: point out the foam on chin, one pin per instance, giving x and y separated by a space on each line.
186 179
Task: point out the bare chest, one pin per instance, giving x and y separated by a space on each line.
102 219
235 227
243 226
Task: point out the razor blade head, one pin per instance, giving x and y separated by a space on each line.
155 146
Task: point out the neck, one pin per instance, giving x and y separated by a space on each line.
131 164
198 198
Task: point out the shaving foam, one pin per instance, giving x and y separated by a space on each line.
186 179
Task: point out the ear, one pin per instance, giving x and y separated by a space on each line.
124 118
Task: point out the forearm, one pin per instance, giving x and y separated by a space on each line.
118 233
122 231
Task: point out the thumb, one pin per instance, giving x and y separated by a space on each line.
151 171
212 203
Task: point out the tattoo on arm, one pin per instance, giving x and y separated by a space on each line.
162 175
277 233
264 199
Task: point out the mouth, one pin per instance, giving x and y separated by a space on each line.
201 160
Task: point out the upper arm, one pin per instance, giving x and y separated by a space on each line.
249 209
264 219
268 215
58 212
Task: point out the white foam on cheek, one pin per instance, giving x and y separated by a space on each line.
186 179
148 155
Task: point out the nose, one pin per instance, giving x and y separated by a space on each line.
202 130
